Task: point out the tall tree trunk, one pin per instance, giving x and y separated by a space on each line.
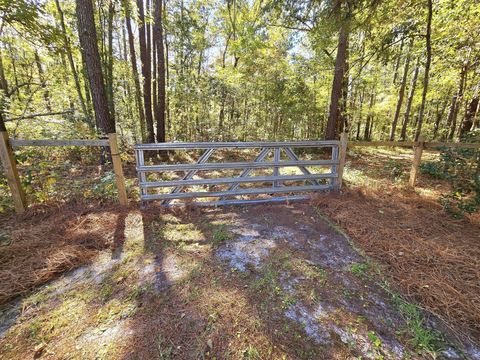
337 85
160 103
3 79
369 120
3 93
109 72
43 82
469 116
438 119
397 63
73 69
428 40
401 93
88 41
456 101
133 61
406 117
221 115
146 72
476 122
167 71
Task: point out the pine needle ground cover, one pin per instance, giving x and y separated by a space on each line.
246 283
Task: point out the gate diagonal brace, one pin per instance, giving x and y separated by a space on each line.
191 173
245 173
291 154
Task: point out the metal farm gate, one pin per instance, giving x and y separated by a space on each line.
265 174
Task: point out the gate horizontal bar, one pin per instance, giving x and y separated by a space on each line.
233 180
235 165
246 201
237 145
254 191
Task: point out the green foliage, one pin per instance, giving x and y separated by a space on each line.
461 167
106 188
422 338
220 234
359 269
433 169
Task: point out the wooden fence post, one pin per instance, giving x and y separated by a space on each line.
11 173
417 157
343 156
117 168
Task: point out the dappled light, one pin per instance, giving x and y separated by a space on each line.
240 179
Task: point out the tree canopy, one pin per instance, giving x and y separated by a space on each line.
243 70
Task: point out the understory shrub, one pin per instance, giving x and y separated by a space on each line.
461 168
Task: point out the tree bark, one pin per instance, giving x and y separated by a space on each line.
406 117
109 72
438 119
337 85
68 50
167 72
369 120
88 41
401 93
469 116
160 103
146 72
456 101
3 79
397 64
428 40
133 61
43 82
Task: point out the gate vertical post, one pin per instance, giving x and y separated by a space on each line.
117 168
342 158
417 157
276 171
8 161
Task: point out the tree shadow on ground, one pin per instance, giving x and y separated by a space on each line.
216 311
209 312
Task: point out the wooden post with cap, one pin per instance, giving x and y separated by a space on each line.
117 168
11 173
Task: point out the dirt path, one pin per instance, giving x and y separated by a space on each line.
259 282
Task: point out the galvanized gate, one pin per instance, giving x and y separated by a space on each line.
266 172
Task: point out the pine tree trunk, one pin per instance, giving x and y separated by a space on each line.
160 103
438 119
109 72
335 99
401 94
146 72
43 82
406 117
88 41
469 116
133 61
456 101
428 39
68 51
369 120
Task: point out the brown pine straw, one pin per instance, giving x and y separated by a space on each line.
48 241
432 258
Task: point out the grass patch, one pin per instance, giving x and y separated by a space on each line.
220 234
423 339
359 269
